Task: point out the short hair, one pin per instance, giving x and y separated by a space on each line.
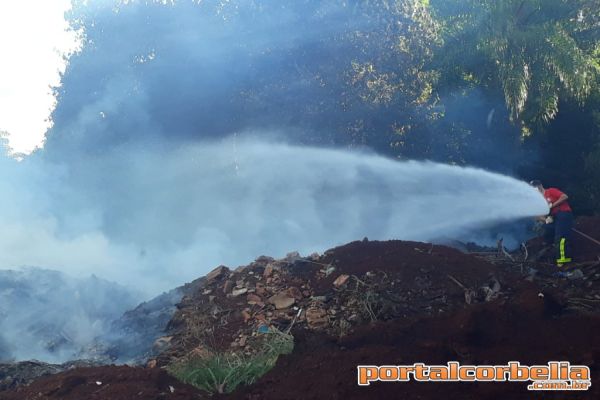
536 183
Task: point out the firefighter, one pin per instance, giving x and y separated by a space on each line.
559 223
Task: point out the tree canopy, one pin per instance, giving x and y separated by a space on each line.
536 52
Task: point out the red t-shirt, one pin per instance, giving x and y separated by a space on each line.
552 195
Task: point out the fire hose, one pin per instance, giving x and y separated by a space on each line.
587 236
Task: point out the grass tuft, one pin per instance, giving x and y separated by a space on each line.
223 372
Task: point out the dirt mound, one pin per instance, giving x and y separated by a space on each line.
526 329
108 382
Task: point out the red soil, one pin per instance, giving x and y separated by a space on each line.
585 249
529 329
116 383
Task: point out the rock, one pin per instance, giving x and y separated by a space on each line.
341 280
239 269
201 352
282 300
227 286
295 293
162 343
217 273
264 260
253 299
283 316
270 269
215 310
151 364
260 290
246 316
242 342
292 257
239 292
316 317
491 291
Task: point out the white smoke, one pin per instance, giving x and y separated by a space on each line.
156 217
49 316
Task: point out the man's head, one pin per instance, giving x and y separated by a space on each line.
538 185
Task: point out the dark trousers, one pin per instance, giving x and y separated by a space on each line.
559 233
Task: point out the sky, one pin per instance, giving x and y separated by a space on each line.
33 46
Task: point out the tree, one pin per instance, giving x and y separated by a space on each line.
333 73
535 52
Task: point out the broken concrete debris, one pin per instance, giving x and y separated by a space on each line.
282 300
333 294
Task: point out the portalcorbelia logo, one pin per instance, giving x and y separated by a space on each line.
556 375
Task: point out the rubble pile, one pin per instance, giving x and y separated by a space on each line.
332 294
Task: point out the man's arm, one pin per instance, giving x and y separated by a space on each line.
563 197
